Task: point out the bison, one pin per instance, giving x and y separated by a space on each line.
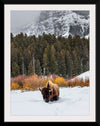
50 92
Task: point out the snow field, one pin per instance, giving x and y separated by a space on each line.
84 76
72 101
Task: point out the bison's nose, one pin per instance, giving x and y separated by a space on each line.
46 100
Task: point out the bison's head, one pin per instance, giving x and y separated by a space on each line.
46 92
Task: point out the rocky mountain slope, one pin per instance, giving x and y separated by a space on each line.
59 23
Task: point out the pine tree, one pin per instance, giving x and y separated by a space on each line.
33 63
53 63
58 46
12 37
61 64
37 67
80 68
75 63
22 65
69 64
69 38
46 62
15 69
30 68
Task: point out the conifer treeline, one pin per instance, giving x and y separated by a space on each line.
48 54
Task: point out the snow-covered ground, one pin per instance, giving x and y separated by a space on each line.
72 101
84 76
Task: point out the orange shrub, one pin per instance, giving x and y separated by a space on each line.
61 82
15 86
44 81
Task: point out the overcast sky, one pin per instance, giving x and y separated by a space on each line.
20 18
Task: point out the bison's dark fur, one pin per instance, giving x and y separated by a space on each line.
50 92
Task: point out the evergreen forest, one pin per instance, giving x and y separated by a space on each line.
48 54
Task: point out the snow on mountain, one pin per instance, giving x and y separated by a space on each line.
59 23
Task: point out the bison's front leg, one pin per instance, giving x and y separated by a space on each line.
51 99
55 98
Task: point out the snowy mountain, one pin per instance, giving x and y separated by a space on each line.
59 23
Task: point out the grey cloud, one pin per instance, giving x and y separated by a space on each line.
20 18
